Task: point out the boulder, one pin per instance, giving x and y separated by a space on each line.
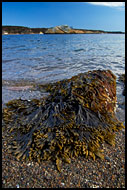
74 120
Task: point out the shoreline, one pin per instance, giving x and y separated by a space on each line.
80 173
61 29
60 33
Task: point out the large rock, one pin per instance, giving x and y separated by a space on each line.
75 119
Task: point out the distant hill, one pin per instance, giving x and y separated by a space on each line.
21 30
62 29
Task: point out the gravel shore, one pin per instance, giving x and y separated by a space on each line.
80 173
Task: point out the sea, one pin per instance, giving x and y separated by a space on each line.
40 58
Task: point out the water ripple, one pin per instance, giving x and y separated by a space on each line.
55 57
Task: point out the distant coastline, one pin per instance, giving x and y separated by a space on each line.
62 29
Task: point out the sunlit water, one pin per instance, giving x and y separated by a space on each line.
45 58
49 58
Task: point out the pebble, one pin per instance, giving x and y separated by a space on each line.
107 158
95 186
17 185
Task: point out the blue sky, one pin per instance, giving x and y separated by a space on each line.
108 16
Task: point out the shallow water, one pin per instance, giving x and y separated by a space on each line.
45 58
38 58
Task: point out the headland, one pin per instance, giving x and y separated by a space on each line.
62 29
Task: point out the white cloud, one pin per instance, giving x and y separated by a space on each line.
109 4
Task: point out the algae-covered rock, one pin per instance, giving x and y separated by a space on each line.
75 119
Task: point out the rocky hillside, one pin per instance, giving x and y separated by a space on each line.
62 29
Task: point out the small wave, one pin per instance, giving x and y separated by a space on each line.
114 62
9 60
18 88
81 49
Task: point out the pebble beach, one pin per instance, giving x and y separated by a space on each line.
80 173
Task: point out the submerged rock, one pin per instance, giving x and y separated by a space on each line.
122 79
75 119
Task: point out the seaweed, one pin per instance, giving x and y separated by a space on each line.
74 120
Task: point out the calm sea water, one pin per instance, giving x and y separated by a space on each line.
46 58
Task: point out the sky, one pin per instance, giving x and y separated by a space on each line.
108 16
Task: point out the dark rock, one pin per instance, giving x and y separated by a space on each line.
122 79
123 92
